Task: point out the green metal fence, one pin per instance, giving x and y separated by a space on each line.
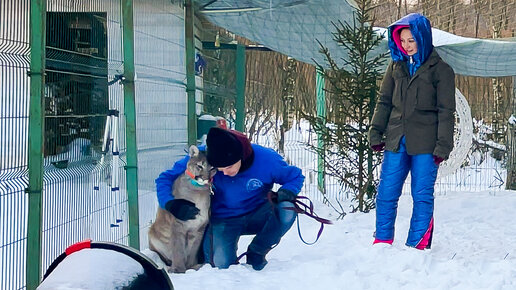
68 137
14 102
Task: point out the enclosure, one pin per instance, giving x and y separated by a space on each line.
104 95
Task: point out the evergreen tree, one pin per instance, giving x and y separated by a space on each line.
351 89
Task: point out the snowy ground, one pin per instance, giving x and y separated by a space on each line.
474 248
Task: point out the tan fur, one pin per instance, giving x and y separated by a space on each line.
178 242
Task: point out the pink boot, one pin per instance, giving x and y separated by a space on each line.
376 241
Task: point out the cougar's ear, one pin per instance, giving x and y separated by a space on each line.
213 171
193 151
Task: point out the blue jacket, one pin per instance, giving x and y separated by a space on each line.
246 191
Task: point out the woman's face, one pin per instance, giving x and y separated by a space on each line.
231 170
407 42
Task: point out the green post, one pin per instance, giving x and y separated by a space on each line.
511 144
321 115
130 123
190 71
35 154
240 88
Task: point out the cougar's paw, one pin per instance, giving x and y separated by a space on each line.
172 269
197 267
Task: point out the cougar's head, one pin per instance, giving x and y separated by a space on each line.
200 170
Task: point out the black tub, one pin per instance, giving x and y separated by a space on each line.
104 265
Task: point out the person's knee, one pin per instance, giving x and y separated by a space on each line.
286 216
423 192
222 260
222 265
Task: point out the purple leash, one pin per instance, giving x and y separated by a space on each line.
302 208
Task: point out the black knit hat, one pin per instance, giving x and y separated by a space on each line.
223 148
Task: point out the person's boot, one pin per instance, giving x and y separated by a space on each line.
377 241
257 261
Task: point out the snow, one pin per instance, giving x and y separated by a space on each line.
92 269
473 248
512 120
209 117
441 37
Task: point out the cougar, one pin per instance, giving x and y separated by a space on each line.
178 242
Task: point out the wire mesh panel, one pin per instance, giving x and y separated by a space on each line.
160 97
219 84
84 185
78 198
14 99
481 171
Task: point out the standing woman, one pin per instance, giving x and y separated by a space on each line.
414 122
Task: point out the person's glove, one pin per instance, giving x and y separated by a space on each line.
182 209
438 160
378 147
285 195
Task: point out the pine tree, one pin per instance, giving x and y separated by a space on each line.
351 89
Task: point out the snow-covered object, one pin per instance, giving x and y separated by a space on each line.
512 120
103 265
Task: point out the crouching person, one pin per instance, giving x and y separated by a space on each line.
239 205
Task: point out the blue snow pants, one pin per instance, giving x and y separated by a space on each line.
395 168
269 223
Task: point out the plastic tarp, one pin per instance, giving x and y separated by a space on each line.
293 28
479 57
